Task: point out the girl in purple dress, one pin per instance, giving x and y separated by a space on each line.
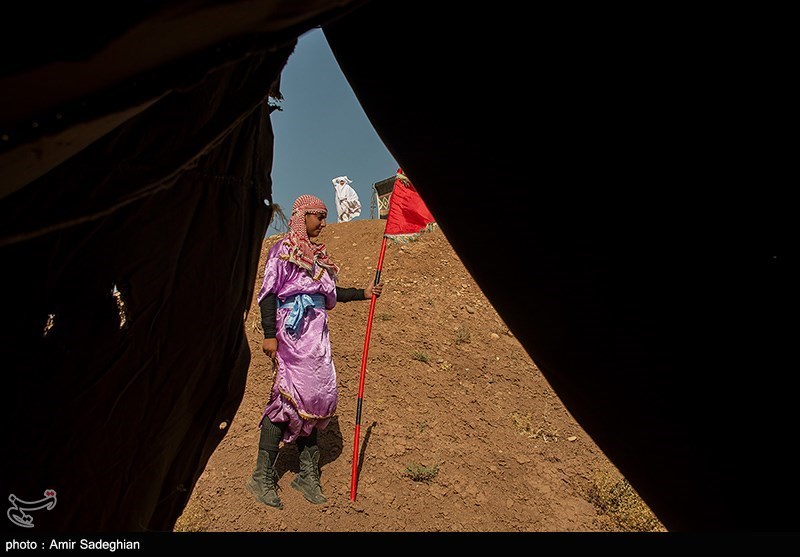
298 290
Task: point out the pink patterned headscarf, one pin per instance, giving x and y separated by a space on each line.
302 251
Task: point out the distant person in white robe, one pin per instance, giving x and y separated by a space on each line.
348 206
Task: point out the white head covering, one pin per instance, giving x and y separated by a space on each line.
348 206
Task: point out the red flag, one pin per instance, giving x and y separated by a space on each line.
408 215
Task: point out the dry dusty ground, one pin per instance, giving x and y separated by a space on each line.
450 398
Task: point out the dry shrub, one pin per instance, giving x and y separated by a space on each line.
194 519
614 496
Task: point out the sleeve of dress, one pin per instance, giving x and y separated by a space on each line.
274 275
268 307
349 294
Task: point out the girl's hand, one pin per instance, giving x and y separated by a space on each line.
373 289
270 347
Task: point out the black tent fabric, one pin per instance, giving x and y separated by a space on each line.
126 401
134 176
615 265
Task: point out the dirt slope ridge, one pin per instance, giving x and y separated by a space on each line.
449 392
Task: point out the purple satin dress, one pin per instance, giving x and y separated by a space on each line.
304 392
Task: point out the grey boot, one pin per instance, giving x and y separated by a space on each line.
264 482
307 481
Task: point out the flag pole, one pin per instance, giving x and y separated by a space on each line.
406 218
354 473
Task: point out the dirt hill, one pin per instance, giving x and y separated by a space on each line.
459 429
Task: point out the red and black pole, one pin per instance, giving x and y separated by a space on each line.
354 474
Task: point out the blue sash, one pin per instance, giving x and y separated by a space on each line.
299 304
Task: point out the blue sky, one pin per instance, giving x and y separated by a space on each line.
322 132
